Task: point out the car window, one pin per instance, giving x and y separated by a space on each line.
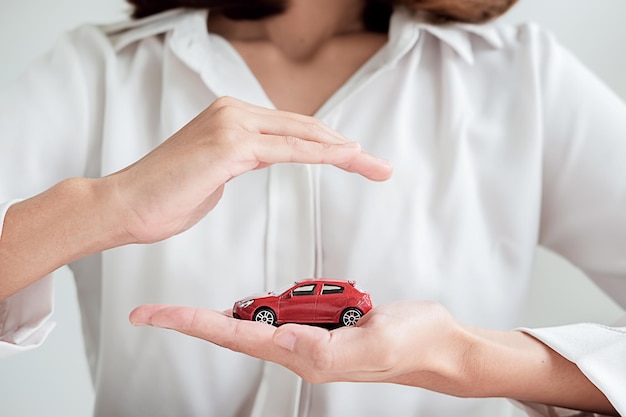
304 290
332 289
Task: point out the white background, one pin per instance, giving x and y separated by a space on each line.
53 380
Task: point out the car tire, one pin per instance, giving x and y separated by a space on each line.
350 317
265 315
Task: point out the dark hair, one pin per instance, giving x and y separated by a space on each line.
375 15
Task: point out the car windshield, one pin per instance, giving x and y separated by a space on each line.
283 289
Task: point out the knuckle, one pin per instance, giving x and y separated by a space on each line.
317 130
316 127
193 322
237 339
225 101
237 332
291 141
227 114
326 146
226 110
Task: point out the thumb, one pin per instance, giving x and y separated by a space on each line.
327 351
298 338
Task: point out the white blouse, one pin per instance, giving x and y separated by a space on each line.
500 141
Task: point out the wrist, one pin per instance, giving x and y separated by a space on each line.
100 212
485 365
461 363
445 361
81 214
71 220
507 364
515 365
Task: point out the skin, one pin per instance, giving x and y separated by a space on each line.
80 216
167 191
414 343
303 56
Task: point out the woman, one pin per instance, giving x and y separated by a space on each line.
477 121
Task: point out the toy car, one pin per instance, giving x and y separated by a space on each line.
309 301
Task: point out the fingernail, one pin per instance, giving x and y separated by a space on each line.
375 158
139 320
140 323
286 340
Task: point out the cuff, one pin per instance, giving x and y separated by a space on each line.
599 352
25 316
542 410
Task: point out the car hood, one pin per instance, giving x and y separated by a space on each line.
257 296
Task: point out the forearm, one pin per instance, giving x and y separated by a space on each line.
518 366
73 219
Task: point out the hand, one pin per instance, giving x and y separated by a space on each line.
410 343
179 182
388 343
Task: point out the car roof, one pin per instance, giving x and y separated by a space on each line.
327 281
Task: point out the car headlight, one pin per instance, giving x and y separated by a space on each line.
244 304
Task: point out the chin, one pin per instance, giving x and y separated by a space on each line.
253 9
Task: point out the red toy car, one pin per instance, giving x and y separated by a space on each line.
310 301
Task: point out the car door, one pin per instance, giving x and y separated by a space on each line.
330 303
298 305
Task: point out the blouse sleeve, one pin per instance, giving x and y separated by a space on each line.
584 188
48 132
51 116
599 351
584 205
24 317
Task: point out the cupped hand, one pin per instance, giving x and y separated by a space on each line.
406 342
180 181
410 343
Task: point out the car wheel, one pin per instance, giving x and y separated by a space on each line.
265 315
350 317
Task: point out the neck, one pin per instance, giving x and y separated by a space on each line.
301 30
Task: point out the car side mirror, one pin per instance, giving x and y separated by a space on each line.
288 295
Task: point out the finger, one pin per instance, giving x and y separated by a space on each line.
149 309
288 126
140 316
371 167
347 156
251 338
305 127
280 122
284 124
257 119
275 149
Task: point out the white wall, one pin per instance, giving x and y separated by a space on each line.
595 32
53 380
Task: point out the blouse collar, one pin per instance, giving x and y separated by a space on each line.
405 28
